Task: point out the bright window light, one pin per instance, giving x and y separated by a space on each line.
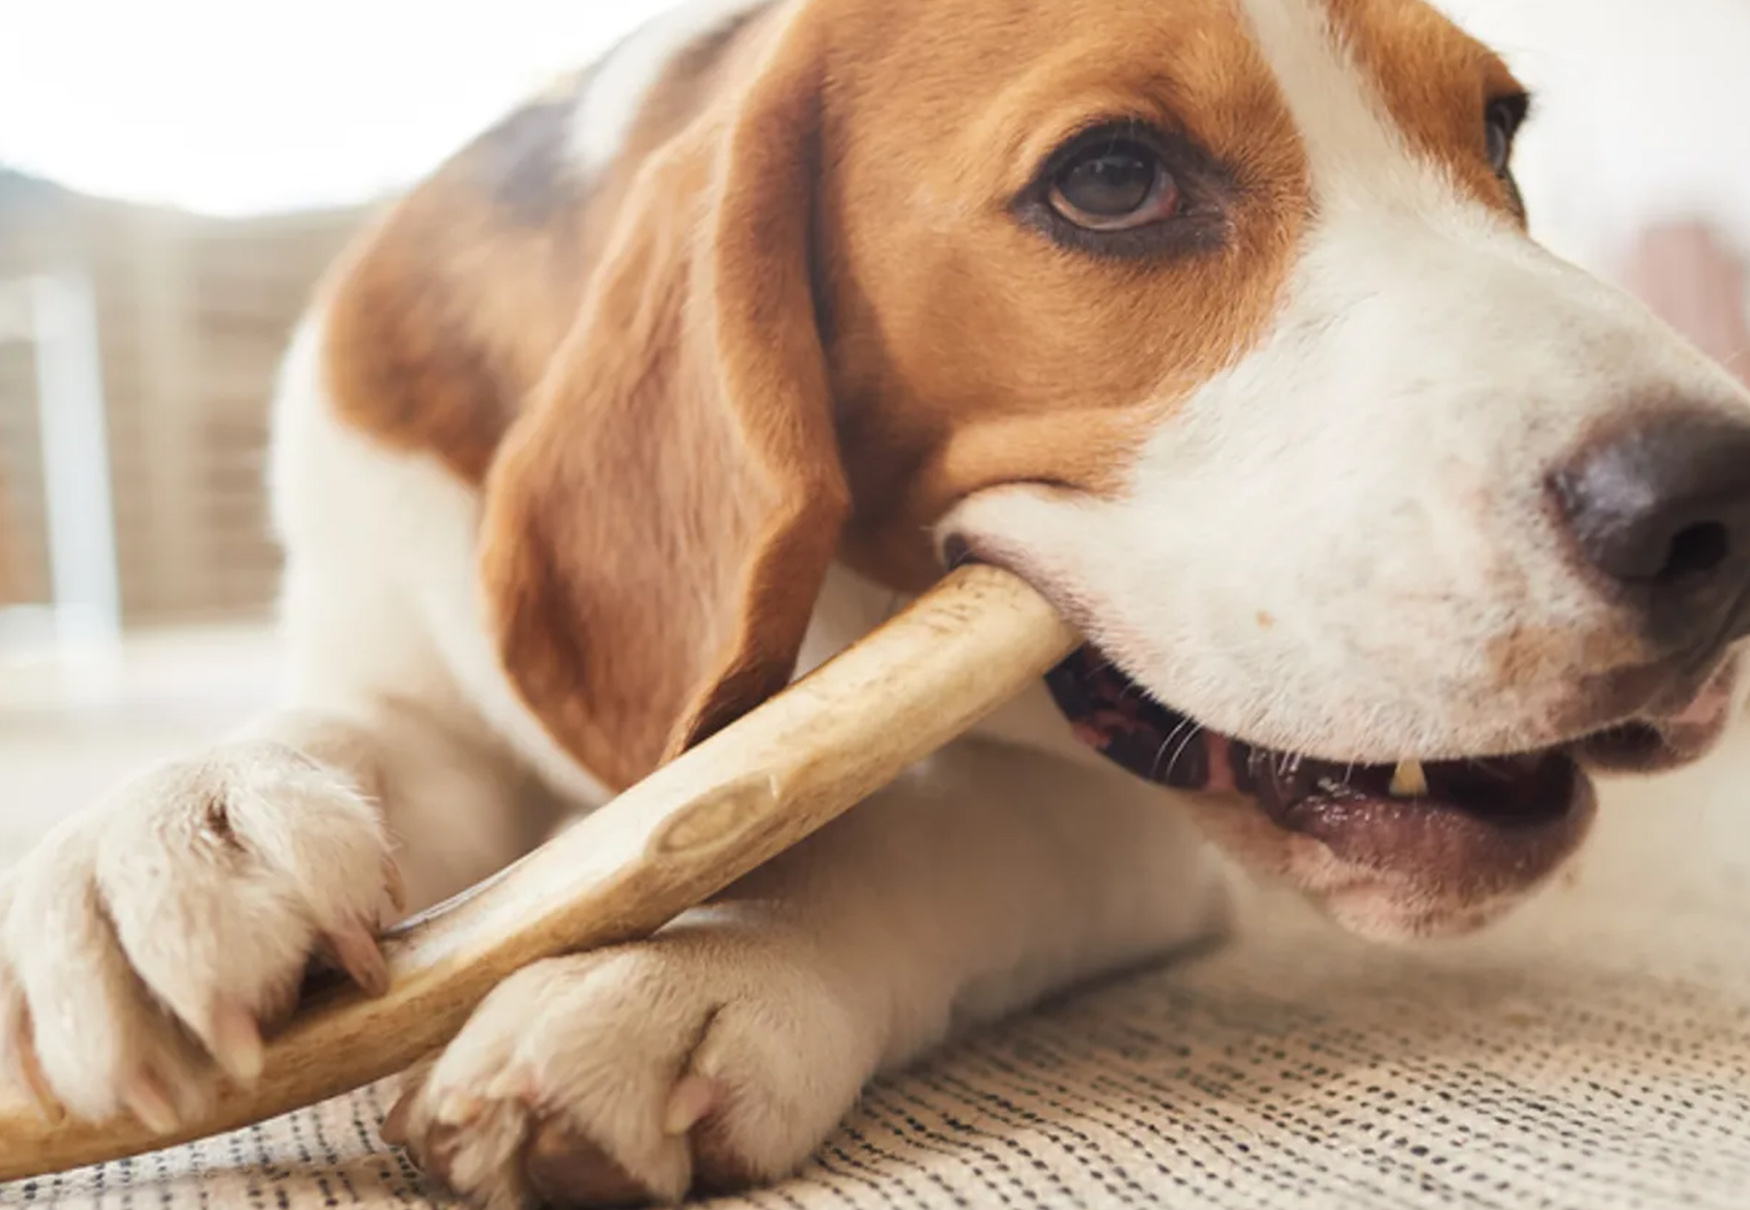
236 108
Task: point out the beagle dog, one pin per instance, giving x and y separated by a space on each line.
1216 320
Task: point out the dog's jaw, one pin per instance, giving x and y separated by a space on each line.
1343 544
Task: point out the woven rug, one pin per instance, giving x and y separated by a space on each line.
1592 1054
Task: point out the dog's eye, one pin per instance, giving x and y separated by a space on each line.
1504 117
1114 185
1129 190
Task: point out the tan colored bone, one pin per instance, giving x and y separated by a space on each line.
673 840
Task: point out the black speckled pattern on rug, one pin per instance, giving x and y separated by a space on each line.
1593 1054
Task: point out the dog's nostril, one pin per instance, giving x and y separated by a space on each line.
1663 510
1696 550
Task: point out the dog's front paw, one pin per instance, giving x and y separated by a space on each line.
707 1059
143 941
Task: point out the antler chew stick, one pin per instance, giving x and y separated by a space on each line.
671 841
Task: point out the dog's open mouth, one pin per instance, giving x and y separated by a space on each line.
1518 815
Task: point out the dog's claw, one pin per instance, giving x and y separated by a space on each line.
692 1100
356 953
394 1130
459 1109
145 1098
235 1041
395 884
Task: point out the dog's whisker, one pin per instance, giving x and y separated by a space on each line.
1492 769
1154 768
1183 745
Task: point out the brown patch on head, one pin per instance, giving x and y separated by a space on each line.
1436 82
968 348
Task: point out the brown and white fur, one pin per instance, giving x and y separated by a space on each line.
676 381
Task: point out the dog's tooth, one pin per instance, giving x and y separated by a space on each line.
1409 780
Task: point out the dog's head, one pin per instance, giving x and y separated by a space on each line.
1217 320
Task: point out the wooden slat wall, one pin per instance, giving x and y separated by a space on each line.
193 315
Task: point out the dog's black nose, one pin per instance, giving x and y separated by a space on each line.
1663 509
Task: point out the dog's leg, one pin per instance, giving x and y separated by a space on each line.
145 943
164 929
722 1051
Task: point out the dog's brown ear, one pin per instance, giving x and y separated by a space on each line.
659 522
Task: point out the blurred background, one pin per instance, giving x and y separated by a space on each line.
174 177
175 174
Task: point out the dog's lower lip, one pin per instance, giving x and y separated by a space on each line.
1511 793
